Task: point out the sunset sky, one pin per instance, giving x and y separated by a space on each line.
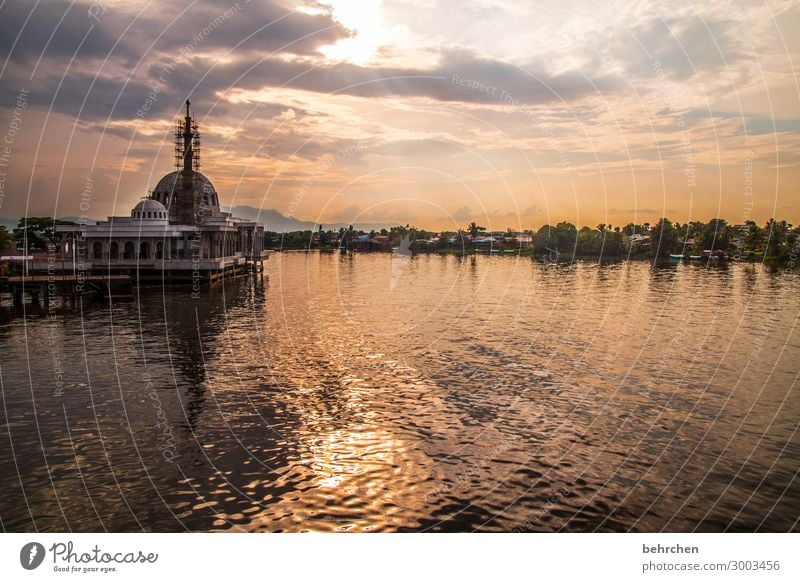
433 113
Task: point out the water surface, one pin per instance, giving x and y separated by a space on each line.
380 393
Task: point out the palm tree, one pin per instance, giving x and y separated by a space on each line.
776 236
474 229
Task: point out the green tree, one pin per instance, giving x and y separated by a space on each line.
716 235
754 237
474 230
589 242
36 233
6 240
663 239
544 241
777 233
325 238
566 236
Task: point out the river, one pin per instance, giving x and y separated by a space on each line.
376 392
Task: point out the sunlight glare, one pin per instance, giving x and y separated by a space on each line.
365 19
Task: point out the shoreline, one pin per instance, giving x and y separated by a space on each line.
563 258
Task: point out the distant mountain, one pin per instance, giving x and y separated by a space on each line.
275 221
271 218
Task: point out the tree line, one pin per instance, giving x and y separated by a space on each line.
775 241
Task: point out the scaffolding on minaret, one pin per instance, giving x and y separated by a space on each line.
195 146
179 145
181 142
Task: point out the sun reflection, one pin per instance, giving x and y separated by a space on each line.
341 459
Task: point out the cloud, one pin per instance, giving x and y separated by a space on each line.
109 67
462 213
681 47
509 112
52 30
459 76
61 29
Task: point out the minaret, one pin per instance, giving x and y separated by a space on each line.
188 172
188 198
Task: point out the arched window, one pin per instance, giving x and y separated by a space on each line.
159 250
114 250
97 250
127 253
144 250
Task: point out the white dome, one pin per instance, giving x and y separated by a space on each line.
149 210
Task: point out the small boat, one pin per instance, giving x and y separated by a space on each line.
676 258
695 257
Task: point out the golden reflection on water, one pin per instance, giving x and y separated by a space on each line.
459 394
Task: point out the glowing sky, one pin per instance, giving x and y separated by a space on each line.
434 113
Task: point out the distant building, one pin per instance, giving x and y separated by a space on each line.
177 232
366 242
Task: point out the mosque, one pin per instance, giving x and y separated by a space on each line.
176 233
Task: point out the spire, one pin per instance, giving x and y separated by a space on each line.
187 161
188 171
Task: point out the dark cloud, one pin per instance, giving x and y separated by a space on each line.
53 30
57 28
460 76
112 59
260 27
678 47
112 62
